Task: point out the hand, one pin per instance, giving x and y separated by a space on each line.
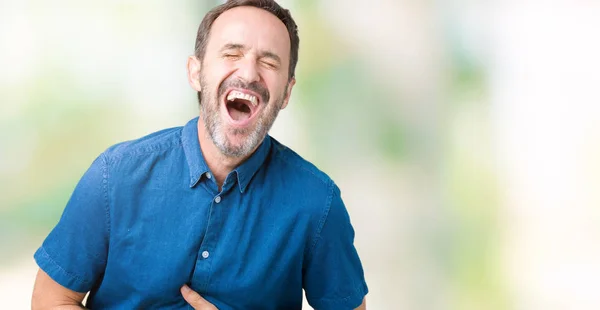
195 300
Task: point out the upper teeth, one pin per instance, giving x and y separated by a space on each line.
239 95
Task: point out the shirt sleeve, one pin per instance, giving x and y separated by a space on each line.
333 275
74 253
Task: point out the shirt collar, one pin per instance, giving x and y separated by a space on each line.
193 154
248 169
198 166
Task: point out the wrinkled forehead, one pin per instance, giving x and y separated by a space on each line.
252 27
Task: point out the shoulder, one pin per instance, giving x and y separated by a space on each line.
137 160
297 167
312 191
155 142
302 180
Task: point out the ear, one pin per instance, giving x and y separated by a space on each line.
286 100
193 71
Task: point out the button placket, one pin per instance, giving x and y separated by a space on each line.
205 260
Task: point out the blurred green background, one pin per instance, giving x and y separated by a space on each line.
464 135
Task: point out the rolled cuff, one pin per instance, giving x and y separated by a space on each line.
59 274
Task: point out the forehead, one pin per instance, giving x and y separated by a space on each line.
252 27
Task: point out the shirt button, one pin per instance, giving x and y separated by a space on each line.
218 199
208 175
205 254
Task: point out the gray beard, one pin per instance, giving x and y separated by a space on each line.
209 111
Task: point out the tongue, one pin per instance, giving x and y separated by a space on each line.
238 111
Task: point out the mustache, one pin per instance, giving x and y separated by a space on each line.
237 83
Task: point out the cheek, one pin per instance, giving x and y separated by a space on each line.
276 85
217 72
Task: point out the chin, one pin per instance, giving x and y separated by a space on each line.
234 145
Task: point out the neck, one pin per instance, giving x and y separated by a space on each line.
219 164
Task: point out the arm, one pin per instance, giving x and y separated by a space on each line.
333 276
73 256
48 294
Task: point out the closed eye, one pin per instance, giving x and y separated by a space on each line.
270 65
231 56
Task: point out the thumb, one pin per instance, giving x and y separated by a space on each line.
195 300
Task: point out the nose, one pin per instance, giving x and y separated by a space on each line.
248 71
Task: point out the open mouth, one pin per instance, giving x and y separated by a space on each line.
241 106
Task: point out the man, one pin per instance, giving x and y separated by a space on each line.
215 214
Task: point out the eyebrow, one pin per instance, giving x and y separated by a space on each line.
261 54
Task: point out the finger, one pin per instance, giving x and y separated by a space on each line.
195 300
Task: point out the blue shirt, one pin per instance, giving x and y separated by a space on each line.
147 217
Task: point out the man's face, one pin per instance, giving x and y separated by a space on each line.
243 78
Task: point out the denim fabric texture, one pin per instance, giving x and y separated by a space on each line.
148 217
